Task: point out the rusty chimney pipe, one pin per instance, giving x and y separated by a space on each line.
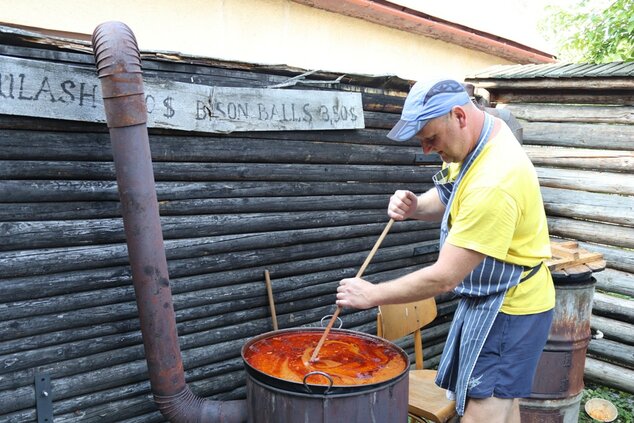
119 68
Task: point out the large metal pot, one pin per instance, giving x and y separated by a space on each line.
320 398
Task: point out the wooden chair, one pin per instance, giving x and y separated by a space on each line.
426 399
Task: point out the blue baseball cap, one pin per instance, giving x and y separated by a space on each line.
427 100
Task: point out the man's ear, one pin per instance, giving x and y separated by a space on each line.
460 113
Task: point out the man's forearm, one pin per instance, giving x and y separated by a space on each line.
414 286
429 207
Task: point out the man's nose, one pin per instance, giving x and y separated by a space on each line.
426 147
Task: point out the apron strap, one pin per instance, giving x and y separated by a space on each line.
533 271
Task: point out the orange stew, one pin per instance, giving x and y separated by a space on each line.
348 359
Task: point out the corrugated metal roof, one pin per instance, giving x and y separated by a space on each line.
560 70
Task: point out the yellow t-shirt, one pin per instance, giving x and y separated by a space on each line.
498 211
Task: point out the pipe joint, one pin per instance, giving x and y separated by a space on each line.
118 64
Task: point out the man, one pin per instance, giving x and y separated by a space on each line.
493 241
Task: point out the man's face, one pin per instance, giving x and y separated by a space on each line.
444 136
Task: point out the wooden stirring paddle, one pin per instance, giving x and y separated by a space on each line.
313 358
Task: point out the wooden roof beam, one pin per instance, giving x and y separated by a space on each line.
409 20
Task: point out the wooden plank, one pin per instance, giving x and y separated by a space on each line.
105 209
115 289
71 259
83 190
571 113
208 171
567 251
613 329
581 158
573 265
45 234
599 207
552 84
60 91
607 374
618 258
579 135
616 281
73 342
610 306
618 236
51 146
583 180
574 96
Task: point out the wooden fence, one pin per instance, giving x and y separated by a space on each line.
305 205
584 156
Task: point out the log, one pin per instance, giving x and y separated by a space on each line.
156 417
607 96
607 374
617 258
571 113
366 136
12 212
582 230
613 352
615 281
77 258
34 350
608 208
105 378
380 120
107 370
377 102
76 318
615 330
316 150
232 325
57 283
581 158
135 398
615 308
170 171
48 234
581 180
104 209
104 328
60 190
579 135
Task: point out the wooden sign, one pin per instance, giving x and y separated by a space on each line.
60 91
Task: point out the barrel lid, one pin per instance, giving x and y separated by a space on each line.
571 263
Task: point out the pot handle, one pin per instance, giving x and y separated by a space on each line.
316 372
329 316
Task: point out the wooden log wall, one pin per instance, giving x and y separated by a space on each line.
584 156
306 206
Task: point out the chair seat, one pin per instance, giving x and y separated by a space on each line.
428 400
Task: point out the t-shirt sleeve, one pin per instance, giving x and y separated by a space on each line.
485 220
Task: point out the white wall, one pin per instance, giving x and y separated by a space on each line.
259 31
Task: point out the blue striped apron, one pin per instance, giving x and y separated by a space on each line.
481 294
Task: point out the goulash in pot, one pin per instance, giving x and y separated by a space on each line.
346 358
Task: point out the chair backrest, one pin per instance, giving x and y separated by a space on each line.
395 321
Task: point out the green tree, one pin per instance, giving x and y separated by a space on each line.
592 33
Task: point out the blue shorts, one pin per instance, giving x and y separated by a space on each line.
509 357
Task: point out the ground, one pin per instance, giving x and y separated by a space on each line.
623 401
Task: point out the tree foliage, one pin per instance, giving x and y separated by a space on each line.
592 34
